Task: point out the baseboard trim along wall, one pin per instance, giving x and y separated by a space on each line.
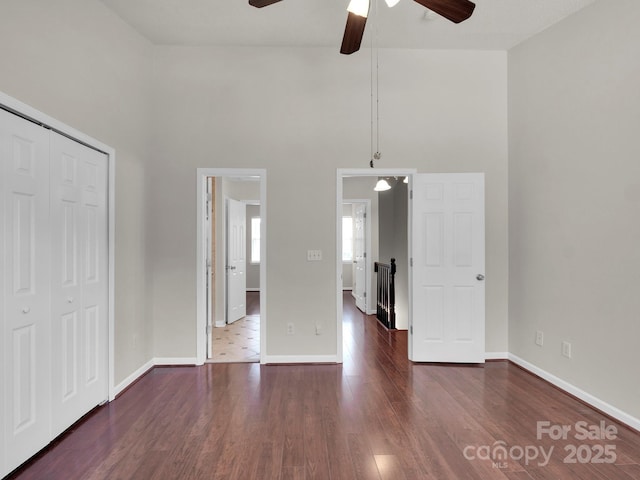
563 385
580 394
168 361
496 355
131 379
285 359
154 362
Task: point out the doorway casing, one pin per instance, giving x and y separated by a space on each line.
201 254
359 172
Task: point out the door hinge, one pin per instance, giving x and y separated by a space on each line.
411 329
410 194
411 262
364 255
364 294
364 215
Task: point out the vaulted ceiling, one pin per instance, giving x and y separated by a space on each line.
495 24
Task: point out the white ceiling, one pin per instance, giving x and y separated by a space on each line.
495 24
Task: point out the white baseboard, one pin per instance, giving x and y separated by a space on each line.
252 289
276 359
220 324
118 389
174 361
496 355
595 402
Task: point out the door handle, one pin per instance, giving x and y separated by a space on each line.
480 277
26 310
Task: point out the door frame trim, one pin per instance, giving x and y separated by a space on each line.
201 246
359 172
29 113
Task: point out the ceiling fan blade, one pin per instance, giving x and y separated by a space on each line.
262 3
455 10
353 32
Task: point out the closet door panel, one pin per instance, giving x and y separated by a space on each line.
24 152
95 278
79 295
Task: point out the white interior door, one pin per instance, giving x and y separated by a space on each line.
359 255
448 298
24 184
236 260
79 280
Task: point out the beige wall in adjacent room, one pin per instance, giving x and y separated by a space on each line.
77 62
574 200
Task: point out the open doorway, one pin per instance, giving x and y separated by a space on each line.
356 248
356 189
231 265
444 268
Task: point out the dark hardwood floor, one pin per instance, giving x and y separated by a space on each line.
253 303
377 416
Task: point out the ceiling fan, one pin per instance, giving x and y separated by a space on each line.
455 10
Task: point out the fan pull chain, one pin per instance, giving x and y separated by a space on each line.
374 45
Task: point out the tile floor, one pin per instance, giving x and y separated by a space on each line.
240 341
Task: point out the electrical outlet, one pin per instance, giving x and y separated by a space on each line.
566 349
289 328
539 338
314 255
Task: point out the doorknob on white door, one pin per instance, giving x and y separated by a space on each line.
26 310
480 277
69 299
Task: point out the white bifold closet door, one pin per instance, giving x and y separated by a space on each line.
26 316
79 281
53 285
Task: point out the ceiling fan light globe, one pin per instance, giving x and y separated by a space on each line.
359 7
382 186
391 3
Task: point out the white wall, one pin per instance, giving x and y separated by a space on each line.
574 198
78 62
301 114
